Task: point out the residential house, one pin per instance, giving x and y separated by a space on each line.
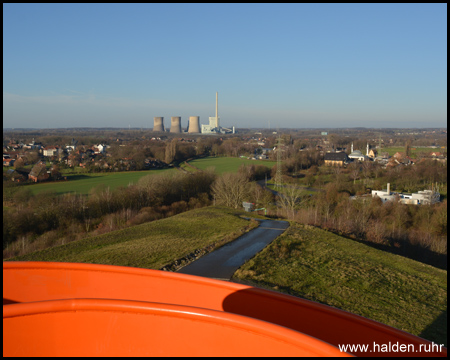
72 146
373 153
401 158
8 162
50 151
398 155
39 172
99 149
17 175
435 154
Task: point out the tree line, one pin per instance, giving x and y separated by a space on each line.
415 231
34 222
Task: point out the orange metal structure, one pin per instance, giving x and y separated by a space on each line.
58 309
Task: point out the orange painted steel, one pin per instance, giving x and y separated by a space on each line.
28 282
102 327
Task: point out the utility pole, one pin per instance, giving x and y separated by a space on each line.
278 174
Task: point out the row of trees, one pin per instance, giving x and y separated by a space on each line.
33 222
28 217
419 232
392 225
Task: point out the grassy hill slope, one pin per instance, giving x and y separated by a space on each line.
324 267
305 261
151 245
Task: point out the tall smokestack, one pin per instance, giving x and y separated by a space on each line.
217 109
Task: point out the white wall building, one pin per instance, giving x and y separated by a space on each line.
384 195
358 155
424 197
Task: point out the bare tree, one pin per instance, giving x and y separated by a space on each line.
354 174
366 169
290 199
171 151
19 163
231 189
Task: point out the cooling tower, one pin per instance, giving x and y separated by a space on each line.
194 124
158 124
175 126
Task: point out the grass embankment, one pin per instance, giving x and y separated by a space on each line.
318 265
151 245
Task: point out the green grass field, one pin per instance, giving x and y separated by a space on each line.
227 164
414 150
324 267
83 183
151 245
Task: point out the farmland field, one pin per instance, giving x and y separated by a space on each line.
414 150
83 183
227 164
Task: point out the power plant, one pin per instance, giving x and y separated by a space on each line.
194 124
175 125
158 124
214 123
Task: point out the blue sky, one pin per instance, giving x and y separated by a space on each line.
287 65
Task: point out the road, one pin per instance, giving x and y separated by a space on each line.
223 262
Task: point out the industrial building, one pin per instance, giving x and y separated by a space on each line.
214 123
175 124
194 126
158 124
425 197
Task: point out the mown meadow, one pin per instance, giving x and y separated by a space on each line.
83 183
413 150
318 265
227 164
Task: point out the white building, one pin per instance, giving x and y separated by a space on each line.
385 195
212 127
358 155
100 148
50 151
424 197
